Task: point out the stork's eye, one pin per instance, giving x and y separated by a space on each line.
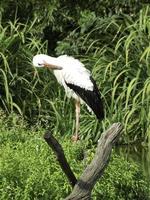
40 64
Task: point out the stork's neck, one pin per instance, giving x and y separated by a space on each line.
59 76
53 63
51 60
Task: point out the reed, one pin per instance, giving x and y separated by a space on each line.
116 50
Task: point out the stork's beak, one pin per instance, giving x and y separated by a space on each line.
51 66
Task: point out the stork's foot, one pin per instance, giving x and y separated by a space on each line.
75 138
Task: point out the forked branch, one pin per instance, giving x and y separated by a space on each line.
83 187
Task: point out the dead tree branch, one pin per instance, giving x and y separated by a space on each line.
58 150
83 187
95 169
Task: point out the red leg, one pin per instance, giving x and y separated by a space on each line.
77 106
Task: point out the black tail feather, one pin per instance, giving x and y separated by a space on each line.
91 98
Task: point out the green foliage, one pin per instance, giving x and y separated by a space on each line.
112 40
122 180
117 51
29 169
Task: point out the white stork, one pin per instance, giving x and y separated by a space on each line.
77 82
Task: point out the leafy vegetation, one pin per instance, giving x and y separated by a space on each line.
114 46
112 39
29 170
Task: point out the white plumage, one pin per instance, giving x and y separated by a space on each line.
73 72
76 80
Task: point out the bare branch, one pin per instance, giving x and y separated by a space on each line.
56 147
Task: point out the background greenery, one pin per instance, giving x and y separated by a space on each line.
110 37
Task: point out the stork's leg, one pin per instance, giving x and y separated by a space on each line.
77 105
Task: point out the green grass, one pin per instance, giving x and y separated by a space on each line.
116 50
29 169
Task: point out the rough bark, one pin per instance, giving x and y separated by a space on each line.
95 169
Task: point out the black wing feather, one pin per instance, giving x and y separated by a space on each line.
91 98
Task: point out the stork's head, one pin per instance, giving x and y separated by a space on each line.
42 60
